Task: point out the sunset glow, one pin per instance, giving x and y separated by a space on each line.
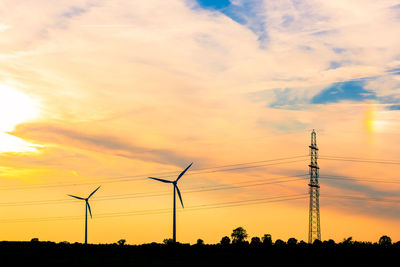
108 93
15 107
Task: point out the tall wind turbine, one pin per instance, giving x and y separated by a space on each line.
87 206
176 189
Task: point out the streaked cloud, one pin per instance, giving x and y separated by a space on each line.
288 125
55 135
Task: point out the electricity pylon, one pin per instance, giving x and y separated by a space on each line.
314 228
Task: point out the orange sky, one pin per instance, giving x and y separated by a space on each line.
110 92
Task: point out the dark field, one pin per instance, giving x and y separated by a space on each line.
323 254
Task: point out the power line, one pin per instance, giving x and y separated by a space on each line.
361 198
160 211
361 160
195 208
118 179
238 185
352 178
144 177
222 168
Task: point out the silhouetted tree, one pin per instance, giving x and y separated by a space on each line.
330 243
225 241
200 242
302 244
317 243
385 241
292 242
279 243
239 235
255 241
348 241
35 239
121 242
267 240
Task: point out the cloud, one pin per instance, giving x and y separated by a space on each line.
355 91
394 71
51 134
393 107
286 125
73 12
335 65
287 99
362 197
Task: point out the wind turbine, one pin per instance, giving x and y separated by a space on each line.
87 206
176 189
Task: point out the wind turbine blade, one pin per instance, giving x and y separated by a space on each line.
179 195
94 192
81 198
90 212
161 180
182 173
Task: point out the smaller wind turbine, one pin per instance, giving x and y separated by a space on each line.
87 206
176 189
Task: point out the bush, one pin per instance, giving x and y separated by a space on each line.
267 240
292 242
255 241
225 241
385 241
121 242
200 242
279 243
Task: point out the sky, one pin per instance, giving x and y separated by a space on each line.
110 92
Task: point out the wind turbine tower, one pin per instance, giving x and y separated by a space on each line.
87 207
314 229
176 190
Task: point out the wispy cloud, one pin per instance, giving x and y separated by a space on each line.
287 125
360 197
50 134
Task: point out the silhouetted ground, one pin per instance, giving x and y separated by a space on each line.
323 254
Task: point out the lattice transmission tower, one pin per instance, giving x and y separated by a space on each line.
314 229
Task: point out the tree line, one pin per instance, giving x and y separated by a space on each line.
239 237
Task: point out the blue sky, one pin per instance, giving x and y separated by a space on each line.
357 91
252 15
249 13
350 90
